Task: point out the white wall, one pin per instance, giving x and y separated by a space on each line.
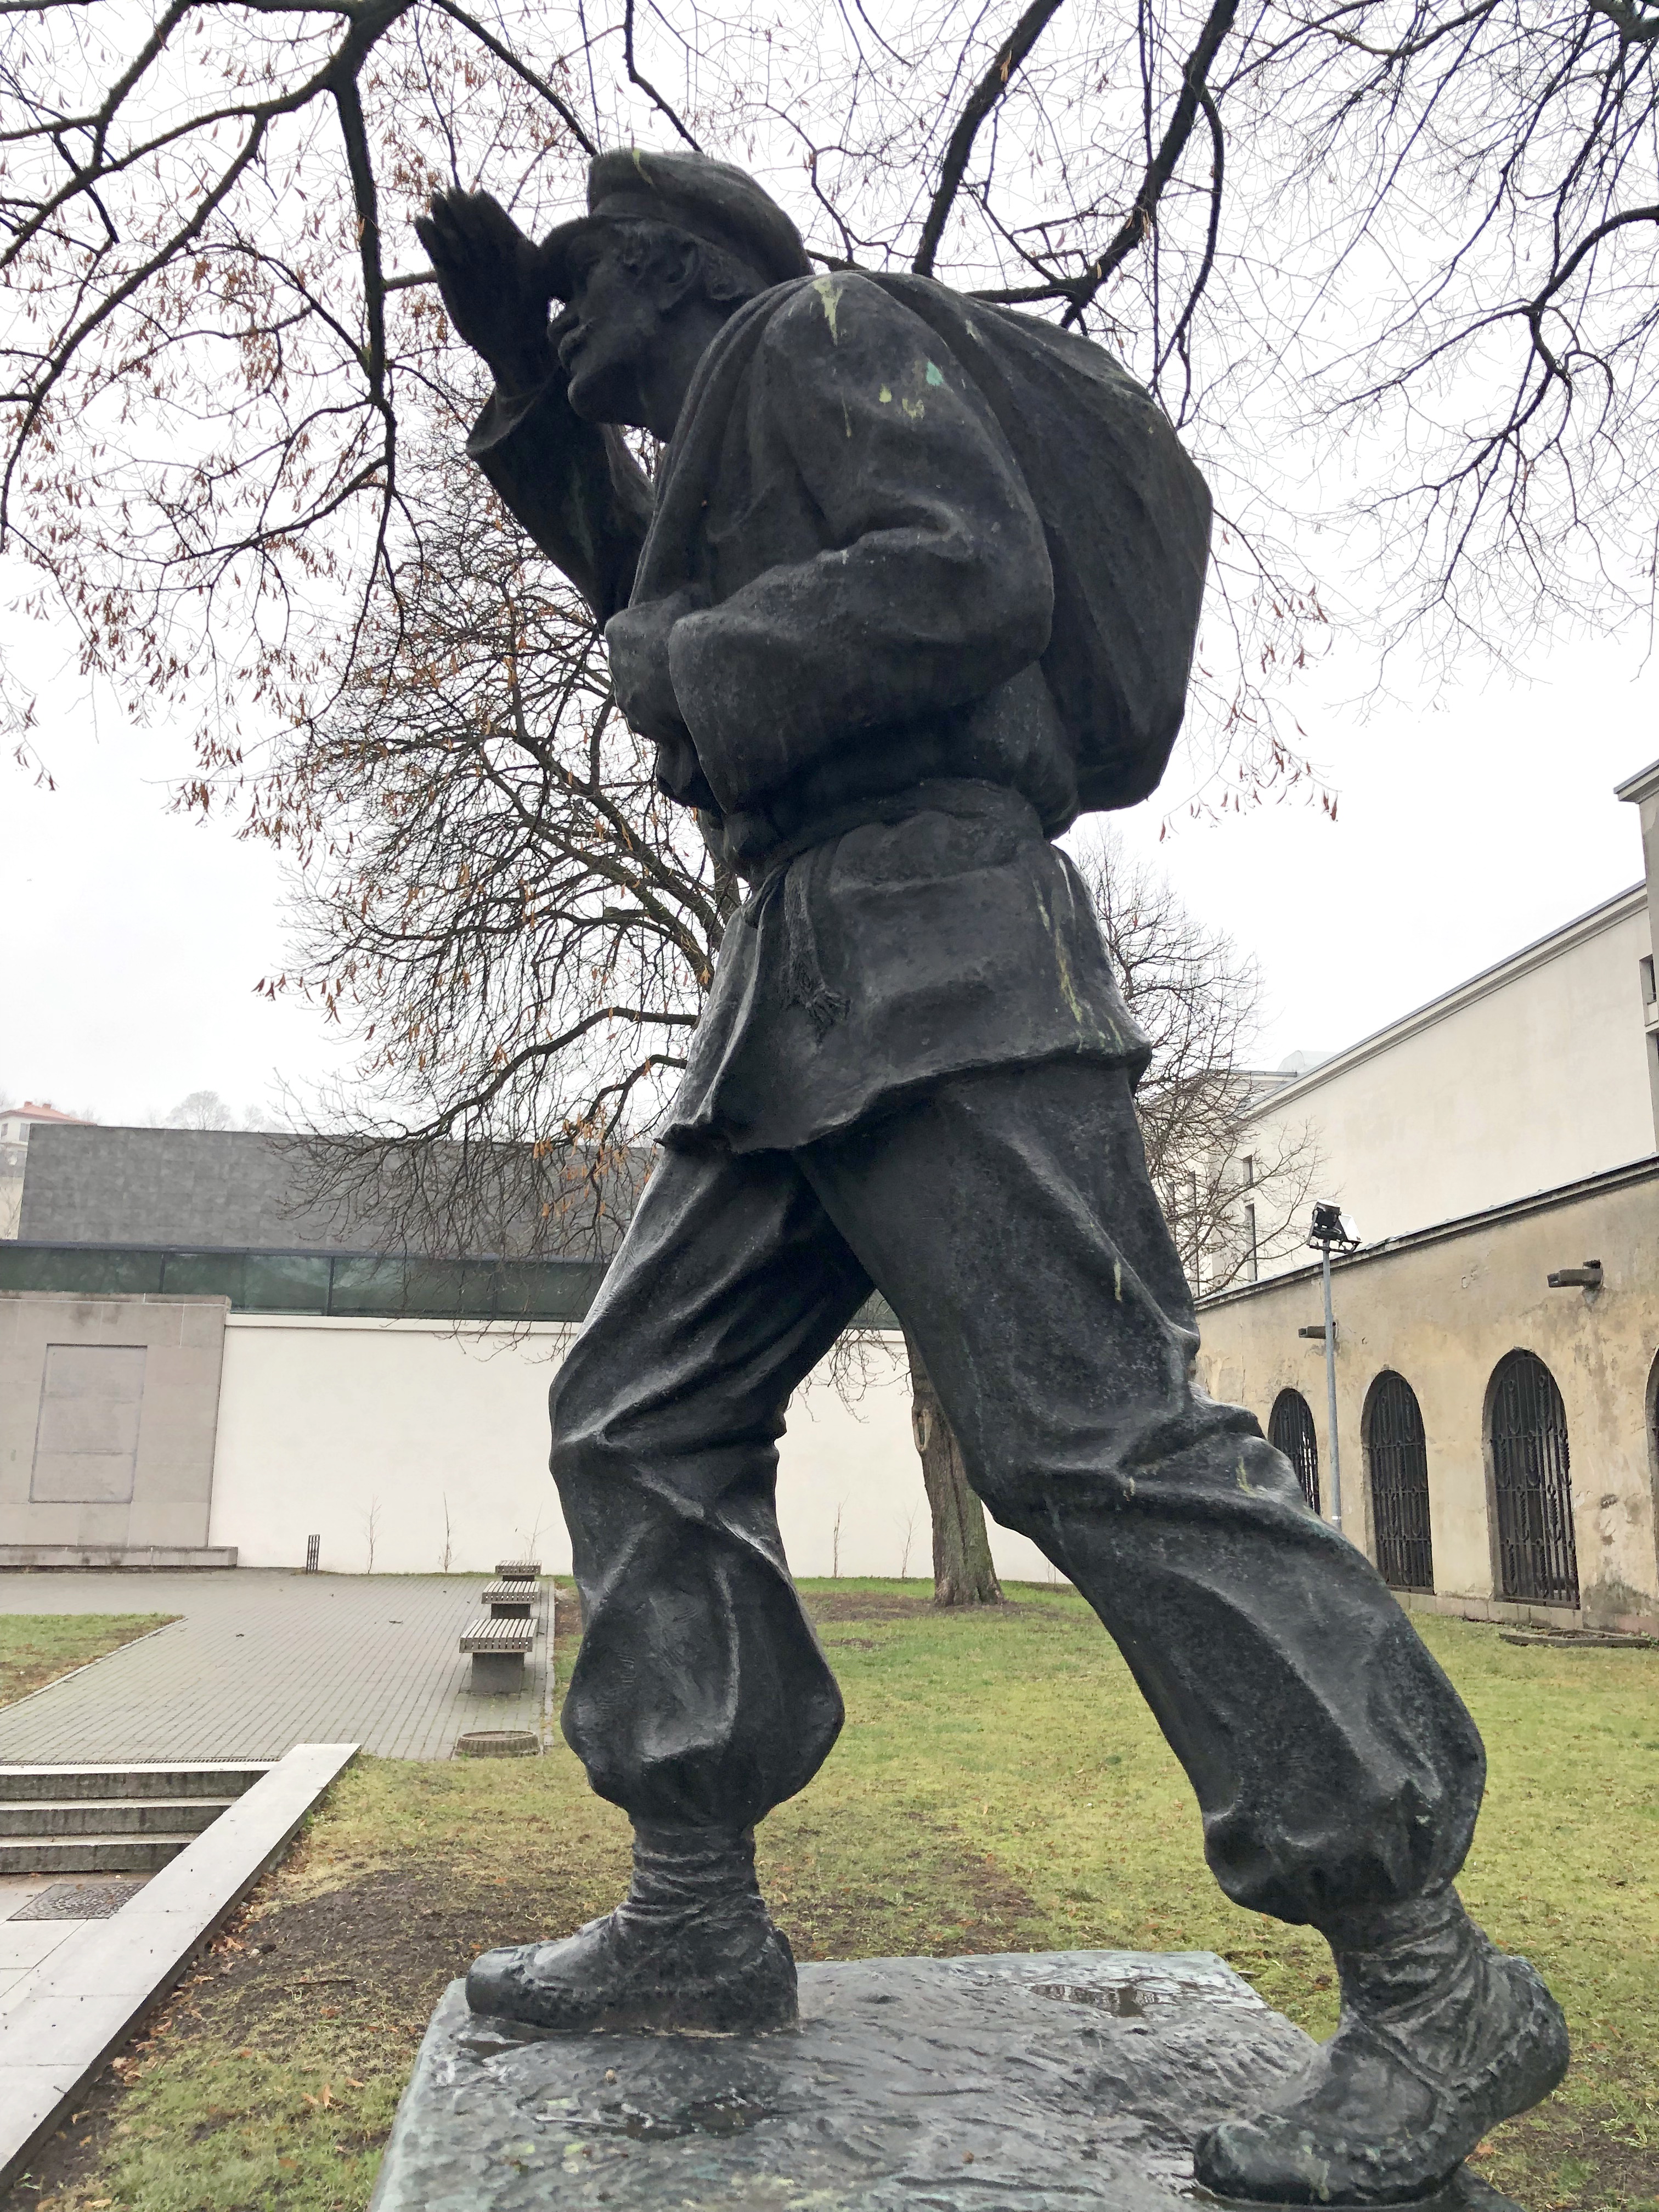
1526 1079
325 1423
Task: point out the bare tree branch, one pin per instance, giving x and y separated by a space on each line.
644 84
983 98
1138 222
491 44
1198 1000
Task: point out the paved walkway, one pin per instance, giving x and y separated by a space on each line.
26 1945
72 2006
263 1659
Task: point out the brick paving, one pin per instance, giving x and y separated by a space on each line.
263 1659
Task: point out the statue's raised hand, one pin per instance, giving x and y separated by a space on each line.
488 274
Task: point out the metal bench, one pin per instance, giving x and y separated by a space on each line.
511 1600
518 1571
499 1650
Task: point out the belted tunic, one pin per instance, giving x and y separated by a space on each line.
869 739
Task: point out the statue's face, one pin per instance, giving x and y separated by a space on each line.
607 337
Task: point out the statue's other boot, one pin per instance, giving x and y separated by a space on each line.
692 1945
1441 2036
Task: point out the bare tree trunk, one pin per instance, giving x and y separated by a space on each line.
963 1571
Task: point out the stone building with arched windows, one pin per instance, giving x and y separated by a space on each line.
1498 1333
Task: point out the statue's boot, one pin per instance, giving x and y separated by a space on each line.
692 1945
1441 2036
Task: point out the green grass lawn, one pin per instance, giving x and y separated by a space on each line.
998 1786
36 1647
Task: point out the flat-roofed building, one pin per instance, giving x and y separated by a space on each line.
203 1362
1497 1345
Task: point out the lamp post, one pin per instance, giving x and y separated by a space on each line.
1331 1226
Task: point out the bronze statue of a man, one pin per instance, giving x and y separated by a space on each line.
917 583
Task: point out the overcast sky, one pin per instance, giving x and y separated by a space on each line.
134 936
1464 828
1469 821
1467 825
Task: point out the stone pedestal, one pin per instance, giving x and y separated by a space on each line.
497 1675
1015 2083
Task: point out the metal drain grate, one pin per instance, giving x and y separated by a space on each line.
78 1900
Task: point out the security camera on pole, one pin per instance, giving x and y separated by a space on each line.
1331 1226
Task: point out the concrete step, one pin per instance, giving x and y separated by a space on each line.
101 1816
118 1555
191 1778
59 2026
89 1853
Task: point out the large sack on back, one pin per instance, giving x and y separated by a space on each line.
1127 519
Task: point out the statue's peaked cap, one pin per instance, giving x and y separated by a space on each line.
709 200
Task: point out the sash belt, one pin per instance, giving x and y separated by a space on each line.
804 981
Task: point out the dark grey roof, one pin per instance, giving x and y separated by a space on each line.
231 1189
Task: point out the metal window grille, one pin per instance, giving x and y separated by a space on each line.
1532 1484
314 1548
1290 1430
1396 1451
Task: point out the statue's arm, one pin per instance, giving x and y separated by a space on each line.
575 487
935 587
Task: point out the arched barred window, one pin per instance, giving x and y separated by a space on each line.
1531 1482
1290 1430
1397 1458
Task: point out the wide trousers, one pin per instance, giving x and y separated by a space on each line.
1009 1220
